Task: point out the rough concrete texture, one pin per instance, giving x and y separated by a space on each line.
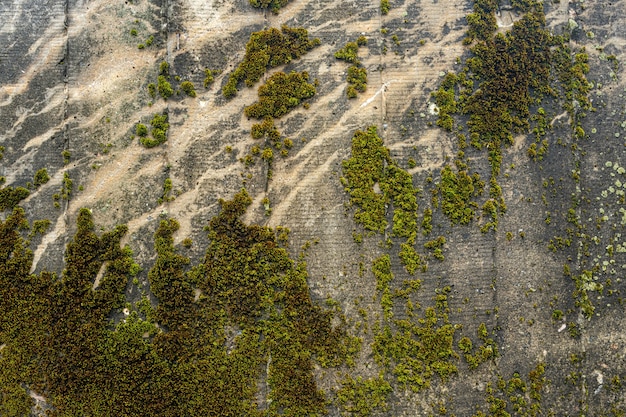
72 78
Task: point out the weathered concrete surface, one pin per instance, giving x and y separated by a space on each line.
72 78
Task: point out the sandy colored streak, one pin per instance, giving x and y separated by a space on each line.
280 211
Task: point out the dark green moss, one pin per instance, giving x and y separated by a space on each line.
482 21
384 7
268 49
141 130
206 355
159 130
164 87
11 196
506 76
273 5
357 75
280 94
41 177
188 88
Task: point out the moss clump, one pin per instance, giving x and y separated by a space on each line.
436 245
159 130
66 186
384 7
266 130
375 181
188 88
141 130
273 5
164 87
167 190
11 196
357 81
268 49
364 171
209 77
427 222
66 154
357 75
280 94
361 397
381 268
349 53
482 21
488 350
41 177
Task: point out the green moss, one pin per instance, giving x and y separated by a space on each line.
482 21
66 186
41 177
361 397
504 79
167 190
457 190
11 196
152 90
487 351
40 227
159 131
357 74
349 53
375 181
164 87
188 88
268 49
427 225
518 396
273 5
436 245
206 355
141 130
417 351
164 69
281 94
209 77
361 172
384 7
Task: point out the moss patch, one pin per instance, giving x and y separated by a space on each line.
268 49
